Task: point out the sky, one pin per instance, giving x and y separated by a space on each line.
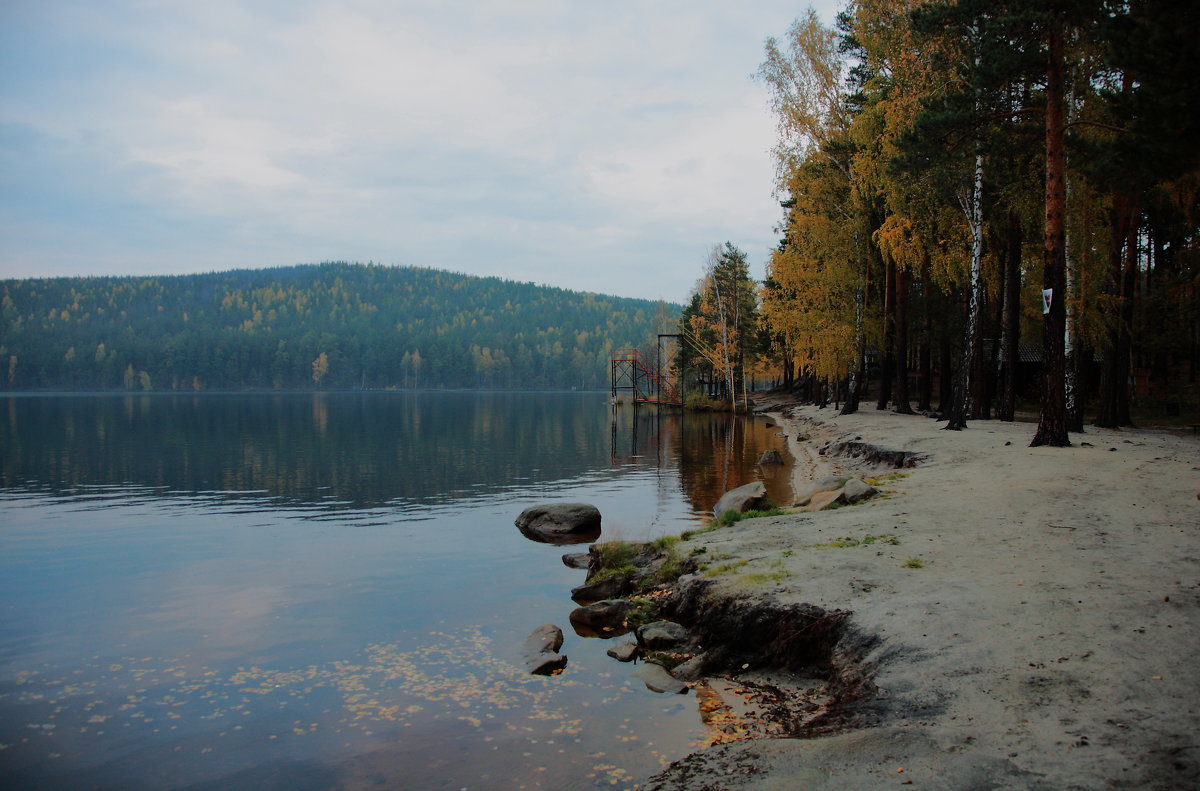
594 146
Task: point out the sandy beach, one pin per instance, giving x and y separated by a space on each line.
1037 609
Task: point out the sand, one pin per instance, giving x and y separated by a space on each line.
1050 638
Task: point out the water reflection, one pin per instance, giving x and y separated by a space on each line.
710 452
363 451
306 591
347 450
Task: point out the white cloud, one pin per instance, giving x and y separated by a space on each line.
596 146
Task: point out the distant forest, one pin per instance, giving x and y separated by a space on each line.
328 326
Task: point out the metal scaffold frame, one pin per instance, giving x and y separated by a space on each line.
649 381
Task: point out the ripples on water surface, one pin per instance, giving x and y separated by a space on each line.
327 591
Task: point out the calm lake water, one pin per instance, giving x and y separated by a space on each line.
309 591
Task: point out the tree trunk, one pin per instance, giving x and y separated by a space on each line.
857 365
960 404
1125 338
901 329
1114 375
1052 424
925 398
1010 353
945 371
887 364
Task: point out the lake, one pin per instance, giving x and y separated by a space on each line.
327 591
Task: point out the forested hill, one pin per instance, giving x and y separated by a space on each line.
334 325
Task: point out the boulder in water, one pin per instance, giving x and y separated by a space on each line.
541 650
560 523
604 618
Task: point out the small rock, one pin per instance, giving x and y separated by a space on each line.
608 588
691 670
661 635
856 491
541 650
657 679
545 638
624 653
546 664
576 560
770 457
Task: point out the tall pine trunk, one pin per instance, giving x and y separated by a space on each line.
901 329
888 363
1052 424
1113 411
1010 329
857 370
925 355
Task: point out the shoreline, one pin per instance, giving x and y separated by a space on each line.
1048 639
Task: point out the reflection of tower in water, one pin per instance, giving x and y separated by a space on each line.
707 453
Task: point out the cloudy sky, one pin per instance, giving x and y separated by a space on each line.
599 146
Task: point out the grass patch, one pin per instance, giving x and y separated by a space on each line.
672 568
724 568
665 543
913 563
616 559
880 480
733 517
763 577
645 612
867 540
699 402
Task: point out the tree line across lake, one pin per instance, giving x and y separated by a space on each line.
329 326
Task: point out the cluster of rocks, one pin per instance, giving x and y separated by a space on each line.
602 611
818 495
786 637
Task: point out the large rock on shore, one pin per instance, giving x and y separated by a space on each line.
742 499
541 650
560 523
826 492
831 484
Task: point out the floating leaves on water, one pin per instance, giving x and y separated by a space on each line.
376 692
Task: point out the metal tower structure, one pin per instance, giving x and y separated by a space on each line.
649 381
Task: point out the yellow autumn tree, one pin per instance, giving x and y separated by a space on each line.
320 367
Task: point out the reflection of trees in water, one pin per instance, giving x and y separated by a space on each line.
354 448
713 452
